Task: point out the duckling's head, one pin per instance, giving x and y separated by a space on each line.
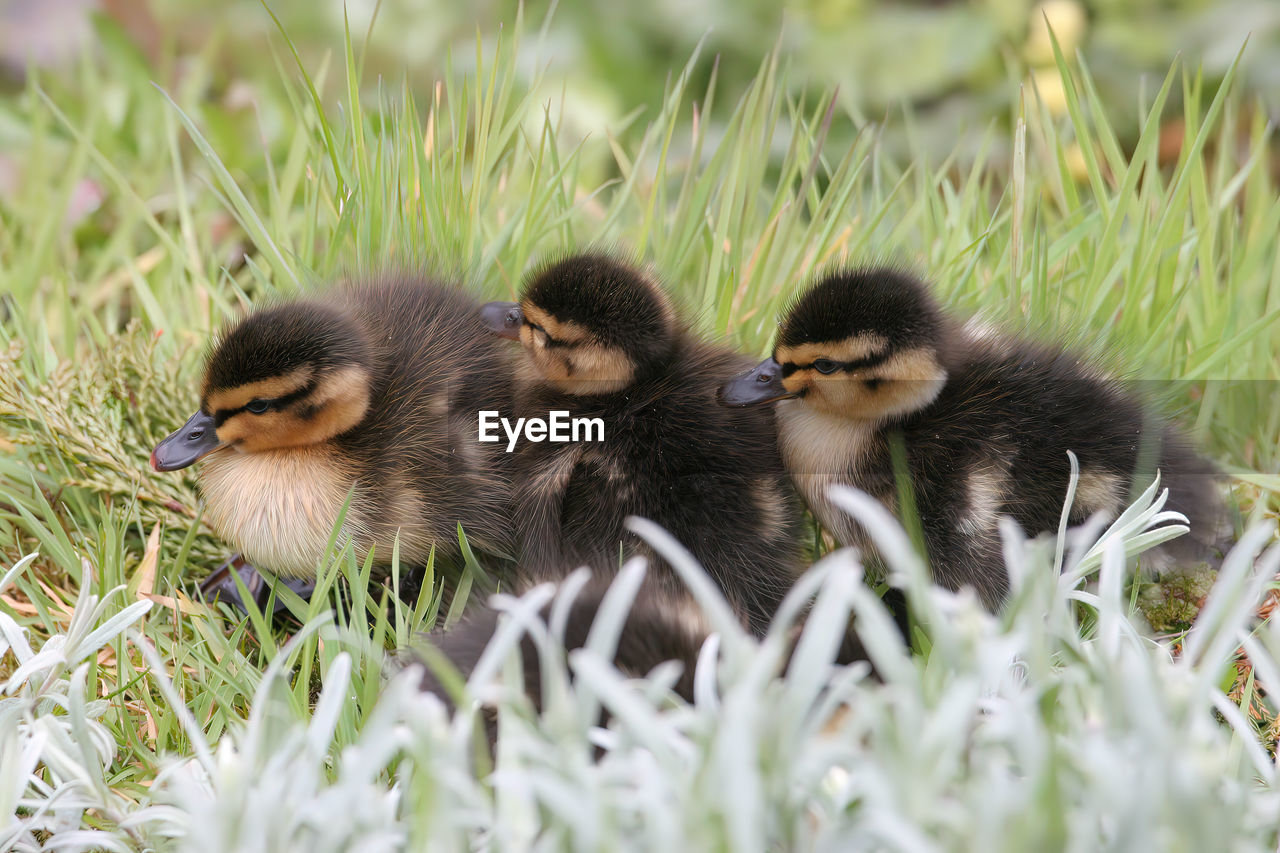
290 376
589 324
861 344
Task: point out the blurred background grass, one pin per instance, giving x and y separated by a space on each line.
950 61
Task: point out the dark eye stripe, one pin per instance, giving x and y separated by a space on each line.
221 416
304 391
826 366
548 341
869 361
790 367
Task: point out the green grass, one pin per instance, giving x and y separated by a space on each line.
212 200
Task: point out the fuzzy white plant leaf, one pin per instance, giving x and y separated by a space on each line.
709 598
16 569
1142 526
521 614
1232 600
13 637
1027 731
107 630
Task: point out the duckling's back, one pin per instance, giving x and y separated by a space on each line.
1038 402
436 371
711 476
995 442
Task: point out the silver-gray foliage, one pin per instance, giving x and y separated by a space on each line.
1037 729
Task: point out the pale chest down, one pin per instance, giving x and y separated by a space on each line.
279 507
822 450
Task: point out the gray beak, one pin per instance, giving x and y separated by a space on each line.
760 384
194 439
502 318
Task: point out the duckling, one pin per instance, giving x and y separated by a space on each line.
660 626
601 340
985 420
369 391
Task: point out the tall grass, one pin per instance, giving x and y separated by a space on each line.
181 727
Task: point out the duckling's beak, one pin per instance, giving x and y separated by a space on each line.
502 318
760 384
194 439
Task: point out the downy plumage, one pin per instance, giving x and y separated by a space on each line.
985 421
369 391
600 340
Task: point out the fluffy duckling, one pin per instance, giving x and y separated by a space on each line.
601 341
370 391
660 626
986 421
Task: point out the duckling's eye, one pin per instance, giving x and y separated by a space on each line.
825 365
257 407
546 339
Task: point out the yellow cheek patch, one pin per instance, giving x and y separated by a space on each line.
915 365
798 380
562 331
851 349
550 364
907 381
584 370
340 402
276 386
577 368
528 338
606 367
252 432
